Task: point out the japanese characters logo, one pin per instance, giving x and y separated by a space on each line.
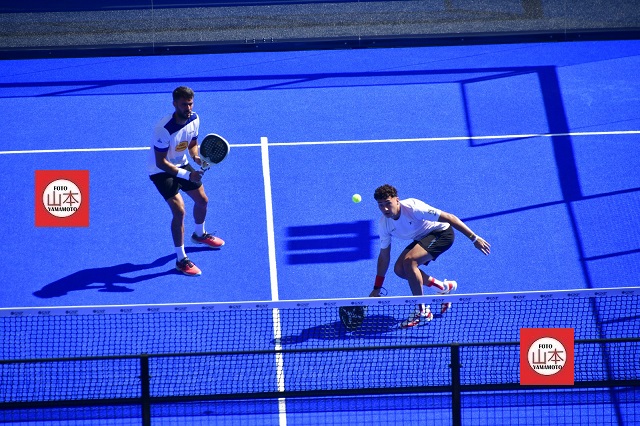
62 198
546 356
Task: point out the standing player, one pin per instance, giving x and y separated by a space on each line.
430 230
174 137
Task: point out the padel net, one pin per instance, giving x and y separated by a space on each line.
218 351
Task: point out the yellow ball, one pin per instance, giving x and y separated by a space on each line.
356 198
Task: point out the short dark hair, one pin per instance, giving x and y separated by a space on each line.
385 191
183 92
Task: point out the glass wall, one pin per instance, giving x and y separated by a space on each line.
154 26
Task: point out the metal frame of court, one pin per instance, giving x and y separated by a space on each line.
456 390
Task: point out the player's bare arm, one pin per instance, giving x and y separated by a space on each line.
384 259
193 151
479 242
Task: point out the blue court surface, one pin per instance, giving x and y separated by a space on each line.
535 146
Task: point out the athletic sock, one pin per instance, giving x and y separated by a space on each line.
180 253
200 229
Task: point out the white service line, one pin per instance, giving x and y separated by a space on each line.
271 242
459 138
71 150
273 278
355 141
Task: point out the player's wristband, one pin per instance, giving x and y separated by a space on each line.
378 284
183 174
475 238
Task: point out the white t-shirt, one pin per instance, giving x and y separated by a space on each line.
174 139
416 220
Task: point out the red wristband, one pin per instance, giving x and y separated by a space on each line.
378 283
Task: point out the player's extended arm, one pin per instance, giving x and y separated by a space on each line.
460 226
384 259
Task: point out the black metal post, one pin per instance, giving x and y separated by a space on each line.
456 401
145 394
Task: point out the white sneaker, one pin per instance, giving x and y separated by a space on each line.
449 287
421 313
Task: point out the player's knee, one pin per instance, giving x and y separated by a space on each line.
202 202
398 269
409 263
179 213
177 209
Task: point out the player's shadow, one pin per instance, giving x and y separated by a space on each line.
372 326
108 278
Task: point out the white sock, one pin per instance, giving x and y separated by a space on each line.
200 229
180 253
435 283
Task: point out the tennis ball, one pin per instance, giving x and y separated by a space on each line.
356 198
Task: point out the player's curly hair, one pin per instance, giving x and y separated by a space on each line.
385 191
183 92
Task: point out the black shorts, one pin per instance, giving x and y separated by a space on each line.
168 185
435 243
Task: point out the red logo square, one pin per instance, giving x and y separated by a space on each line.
546 356
62 198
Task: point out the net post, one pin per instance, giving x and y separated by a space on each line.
456 404
145 394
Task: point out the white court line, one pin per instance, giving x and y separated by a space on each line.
273 275
271 241
355 141
70 150
460 138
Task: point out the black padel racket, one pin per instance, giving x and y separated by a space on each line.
352 317
213 149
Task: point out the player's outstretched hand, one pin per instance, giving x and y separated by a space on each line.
375 293
482 245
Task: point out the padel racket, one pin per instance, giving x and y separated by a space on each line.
213 149
352 317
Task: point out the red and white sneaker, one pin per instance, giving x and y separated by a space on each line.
187 267
208 240
422 313
449 287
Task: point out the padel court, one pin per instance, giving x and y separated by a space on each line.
535 146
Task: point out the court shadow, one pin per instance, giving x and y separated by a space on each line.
375 325
330 243
110 279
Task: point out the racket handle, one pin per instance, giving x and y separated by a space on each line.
195 166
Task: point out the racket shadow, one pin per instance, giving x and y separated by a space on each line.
110 279
373 326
